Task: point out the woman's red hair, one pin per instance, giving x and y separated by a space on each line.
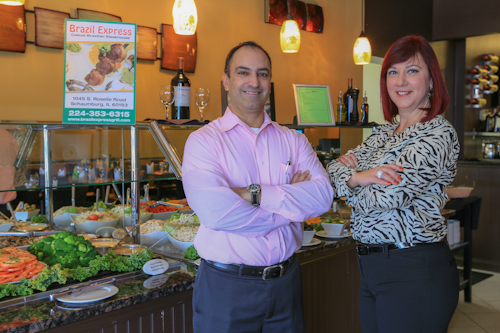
401 51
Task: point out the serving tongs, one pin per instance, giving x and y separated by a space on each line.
158 203
75 292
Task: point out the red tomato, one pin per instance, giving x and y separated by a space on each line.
93 217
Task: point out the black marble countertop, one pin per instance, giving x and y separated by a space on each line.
41 315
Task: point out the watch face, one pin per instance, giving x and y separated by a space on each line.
253 188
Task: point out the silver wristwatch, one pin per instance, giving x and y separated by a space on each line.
254 190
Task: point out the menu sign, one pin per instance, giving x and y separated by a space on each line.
313 104
99 72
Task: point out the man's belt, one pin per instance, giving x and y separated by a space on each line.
266 272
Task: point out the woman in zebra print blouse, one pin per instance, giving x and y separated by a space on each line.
394 182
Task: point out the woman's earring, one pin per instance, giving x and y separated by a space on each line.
429 94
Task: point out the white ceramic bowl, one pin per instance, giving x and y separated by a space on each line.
90 227
64 220
128 220
181 246
5 226
26 216
150 239
308 236
333 229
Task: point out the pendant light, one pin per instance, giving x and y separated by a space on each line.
12 2
290 33
362 51
185 17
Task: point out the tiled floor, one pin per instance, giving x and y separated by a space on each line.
483 314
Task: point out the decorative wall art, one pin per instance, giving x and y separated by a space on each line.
314 18
147 43
175 46
13 28
49 28
308 17
92 15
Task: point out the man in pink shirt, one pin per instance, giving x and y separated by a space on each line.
251 182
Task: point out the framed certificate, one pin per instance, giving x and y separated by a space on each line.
313 104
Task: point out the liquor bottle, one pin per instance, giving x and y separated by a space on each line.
490 58
496 123
355 112
489 123
491 69
478 102
364 110
182 93
348 101
490 89
491 78
340 112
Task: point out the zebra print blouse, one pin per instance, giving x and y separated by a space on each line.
410 211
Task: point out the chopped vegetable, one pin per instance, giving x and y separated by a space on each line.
39 219
191 253
64 248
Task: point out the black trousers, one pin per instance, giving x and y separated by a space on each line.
409 290
226 302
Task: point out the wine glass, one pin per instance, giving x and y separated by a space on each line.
201 97
167 98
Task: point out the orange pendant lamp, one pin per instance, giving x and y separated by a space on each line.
362 51
12 2
290 34
185 17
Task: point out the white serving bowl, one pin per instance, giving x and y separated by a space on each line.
150 239
5 226
26 216
90 227
181 246
128 219
308 236
333 229
64 220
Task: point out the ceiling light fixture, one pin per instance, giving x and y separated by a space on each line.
290 33
185 17
362 51
12 2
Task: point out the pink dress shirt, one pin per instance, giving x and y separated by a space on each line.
227 154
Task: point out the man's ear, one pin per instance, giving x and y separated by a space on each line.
225 81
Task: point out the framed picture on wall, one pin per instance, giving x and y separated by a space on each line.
269 107
313 104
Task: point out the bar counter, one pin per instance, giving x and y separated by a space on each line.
168 308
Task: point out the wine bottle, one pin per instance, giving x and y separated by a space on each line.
355 112
491 78
341 112
348 101
479 82
491 58
364 110
491 69
490 89
478 102
478 72
182 93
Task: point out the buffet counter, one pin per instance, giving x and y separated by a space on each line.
167 308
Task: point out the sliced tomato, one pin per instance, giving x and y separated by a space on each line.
93 217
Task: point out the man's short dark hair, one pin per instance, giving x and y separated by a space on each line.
236 48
